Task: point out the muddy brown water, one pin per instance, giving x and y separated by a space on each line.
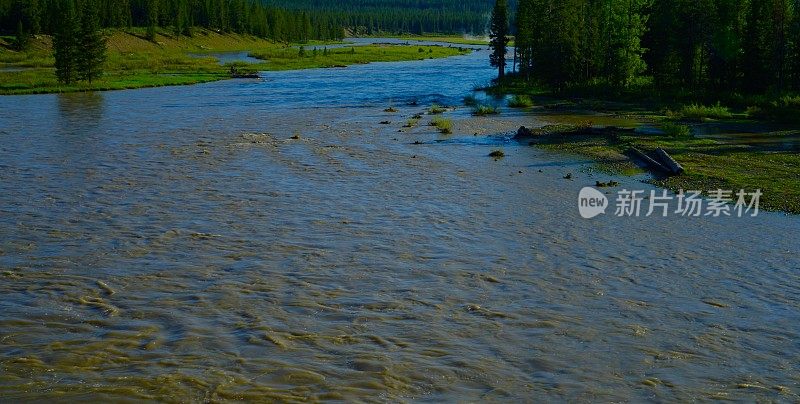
177 244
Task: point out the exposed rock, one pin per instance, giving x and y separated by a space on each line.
523 132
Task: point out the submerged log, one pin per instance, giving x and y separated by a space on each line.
669 162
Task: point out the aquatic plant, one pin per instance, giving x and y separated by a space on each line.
520 101
436 109
482 110
411 122
676 130
443 124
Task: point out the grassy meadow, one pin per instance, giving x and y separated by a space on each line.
135 62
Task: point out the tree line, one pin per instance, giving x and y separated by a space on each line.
281 20
402 16
751 46
28 17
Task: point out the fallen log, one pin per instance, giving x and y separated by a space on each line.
653 164
669 162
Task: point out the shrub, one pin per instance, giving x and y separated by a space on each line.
411 122
482 110
436 109
676 130
444 125
786 109
699 112
520 101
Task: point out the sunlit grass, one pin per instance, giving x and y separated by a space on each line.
520 101
436 109
483 110
443 124
134 62
700 112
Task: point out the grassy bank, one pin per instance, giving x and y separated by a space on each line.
135 62
290 59
724 141
768 161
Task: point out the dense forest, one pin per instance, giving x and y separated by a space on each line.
402 16
700 46
283 20
18 17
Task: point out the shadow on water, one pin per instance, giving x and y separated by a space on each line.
77 110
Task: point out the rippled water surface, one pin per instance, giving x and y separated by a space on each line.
179 244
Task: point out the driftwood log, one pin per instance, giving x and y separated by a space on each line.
669 162
653 164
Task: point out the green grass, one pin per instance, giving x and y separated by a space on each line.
483 110
134 62
436 109
288 59
443 124
709 164
520 101
676 130
412 122
784 109
699 112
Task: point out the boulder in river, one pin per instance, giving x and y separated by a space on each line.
523 132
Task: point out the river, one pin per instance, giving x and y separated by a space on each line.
271 239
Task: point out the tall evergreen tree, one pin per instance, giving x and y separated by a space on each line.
91 43
498 35
65 43
525 36
22 38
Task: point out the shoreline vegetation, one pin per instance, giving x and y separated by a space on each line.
719 147
717 84
133 61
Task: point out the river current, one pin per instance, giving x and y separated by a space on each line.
273 240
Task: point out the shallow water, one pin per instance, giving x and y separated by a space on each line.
177 244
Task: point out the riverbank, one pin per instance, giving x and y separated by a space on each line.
135 62
719 148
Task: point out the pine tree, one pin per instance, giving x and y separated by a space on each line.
91 44
22 39
152 19
499 37
65 43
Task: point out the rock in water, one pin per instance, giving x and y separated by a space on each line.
523 132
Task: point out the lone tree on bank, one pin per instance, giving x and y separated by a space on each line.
498 34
